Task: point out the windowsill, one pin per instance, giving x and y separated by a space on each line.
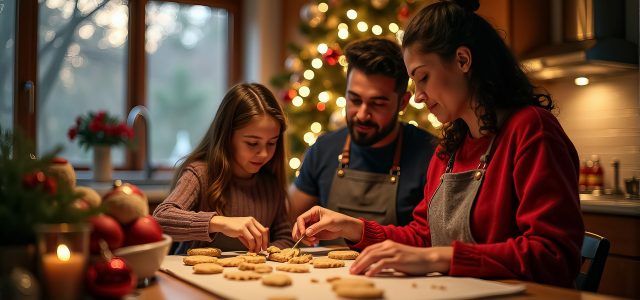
156 188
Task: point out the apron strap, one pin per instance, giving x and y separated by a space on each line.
484 159
394 172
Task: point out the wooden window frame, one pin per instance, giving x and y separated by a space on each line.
26 61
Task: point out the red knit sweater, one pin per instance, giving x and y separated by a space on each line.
526 218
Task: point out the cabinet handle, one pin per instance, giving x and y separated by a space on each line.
28 88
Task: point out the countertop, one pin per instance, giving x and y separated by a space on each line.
157 189
610 204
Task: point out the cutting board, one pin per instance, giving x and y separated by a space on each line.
396 286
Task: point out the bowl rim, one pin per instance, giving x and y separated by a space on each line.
166 239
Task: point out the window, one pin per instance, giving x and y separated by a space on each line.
183 94
7 56
175 57
82 63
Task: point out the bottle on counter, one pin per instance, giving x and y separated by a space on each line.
584 172
596 176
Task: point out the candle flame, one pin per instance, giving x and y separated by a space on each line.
63 252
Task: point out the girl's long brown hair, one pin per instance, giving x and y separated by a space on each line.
241 103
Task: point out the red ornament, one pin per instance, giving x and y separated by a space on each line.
321 106
331 56
142 231
105 228
110 279
38 178
288 95
403 13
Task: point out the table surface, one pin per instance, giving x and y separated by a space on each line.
169 287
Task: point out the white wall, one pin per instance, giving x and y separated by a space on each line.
261 38
603 118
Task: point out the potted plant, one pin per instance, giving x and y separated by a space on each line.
101 131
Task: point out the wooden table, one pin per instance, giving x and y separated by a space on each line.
169 287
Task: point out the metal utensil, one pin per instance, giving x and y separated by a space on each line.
298 242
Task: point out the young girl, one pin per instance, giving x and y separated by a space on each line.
230 191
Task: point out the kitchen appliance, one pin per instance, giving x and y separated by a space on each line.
588 39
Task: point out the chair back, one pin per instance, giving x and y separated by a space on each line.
595 250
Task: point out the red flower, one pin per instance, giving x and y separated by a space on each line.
72 133
96 126
100 116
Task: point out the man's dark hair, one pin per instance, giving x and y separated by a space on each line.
378 56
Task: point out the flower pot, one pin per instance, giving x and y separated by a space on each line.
102 169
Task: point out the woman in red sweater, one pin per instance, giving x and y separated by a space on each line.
501 197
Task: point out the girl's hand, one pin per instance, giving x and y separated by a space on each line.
250 232
403 258
319 223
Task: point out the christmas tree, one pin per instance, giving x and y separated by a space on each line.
312 87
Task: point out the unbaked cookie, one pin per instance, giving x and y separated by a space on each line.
242 275
257 259
284 255
324 263
273 249
230 261
359 292
258 268
302 259
293 268
207 268
198 259
343 254
351 282
276 280
204 251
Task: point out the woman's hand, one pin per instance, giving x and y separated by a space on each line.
402 258
250 232
319 223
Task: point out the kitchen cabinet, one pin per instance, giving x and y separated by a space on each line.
622 269
526 24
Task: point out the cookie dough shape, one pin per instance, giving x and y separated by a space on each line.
273 249
351 282
293 268
278 280
215 252
230 261
302 259
257 259
207 268
242 275
325 263
258 268
359 292
284 255
343 254
198 259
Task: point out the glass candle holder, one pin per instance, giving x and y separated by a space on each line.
63 251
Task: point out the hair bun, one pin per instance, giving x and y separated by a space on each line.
468 5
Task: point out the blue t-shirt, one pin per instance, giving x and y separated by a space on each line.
321 162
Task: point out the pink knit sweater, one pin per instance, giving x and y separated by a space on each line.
185 216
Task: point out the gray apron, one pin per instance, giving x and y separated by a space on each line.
450 206
368 195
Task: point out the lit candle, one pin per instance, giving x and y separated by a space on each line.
63 273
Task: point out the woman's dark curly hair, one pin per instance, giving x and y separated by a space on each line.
495 78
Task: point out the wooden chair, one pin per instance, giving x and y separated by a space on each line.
595 250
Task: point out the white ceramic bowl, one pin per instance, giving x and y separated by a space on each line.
145 259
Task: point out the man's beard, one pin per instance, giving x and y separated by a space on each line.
377 135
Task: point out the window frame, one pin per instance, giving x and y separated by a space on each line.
26 63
